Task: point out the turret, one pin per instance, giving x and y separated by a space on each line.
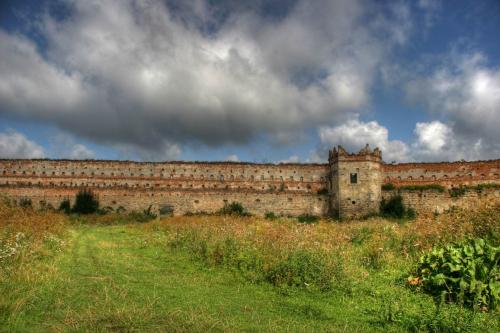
355 182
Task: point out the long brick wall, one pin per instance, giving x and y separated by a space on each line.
288 189
433 201
446 174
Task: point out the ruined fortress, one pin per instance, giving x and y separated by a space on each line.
349 185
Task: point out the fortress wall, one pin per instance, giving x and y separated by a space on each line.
446 174
175 175
430 201
183 201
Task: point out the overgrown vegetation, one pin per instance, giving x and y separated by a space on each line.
65 206
307 218
264 261
459 191
256 273
394 208
434 187
86 202
25 203
234 208
466 272
388 187
270 216
322 191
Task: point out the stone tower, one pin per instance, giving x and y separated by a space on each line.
355 181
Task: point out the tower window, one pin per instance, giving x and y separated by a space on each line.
354 178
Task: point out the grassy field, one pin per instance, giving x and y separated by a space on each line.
216 273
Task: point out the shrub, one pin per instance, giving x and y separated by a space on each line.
306 218
167 210
393 207
456 192
322 191
120 209
466 272
234 208
145 216
388 187
411 213
65 206
25 203
86 202
270 216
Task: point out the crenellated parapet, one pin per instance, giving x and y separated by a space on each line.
365 154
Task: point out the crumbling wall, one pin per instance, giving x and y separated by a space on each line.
446 174
183 201
291 189
433 201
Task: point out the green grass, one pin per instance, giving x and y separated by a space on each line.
125 278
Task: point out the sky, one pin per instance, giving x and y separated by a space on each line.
256 81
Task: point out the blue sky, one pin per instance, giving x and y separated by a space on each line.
251 81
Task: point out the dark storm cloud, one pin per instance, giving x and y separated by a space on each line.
151 76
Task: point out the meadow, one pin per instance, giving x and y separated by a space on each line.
225 273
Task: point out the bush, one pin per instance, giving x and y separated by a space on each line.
322 191
456 192
86 202
167 210
234 208
388 187
466 272
270 216
142 217
306 218
25 203
65 206
120 209
393 207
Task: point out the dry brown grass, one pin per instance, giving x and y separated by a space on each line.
26 233
425 230
363 244
29 221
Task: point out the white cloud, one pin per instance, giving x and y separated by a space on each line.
355 134
467 93
433 141
16 145
291 159
138 75
432 136
81 152
232 158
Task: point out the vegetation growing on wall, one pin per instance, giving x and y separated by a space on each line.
435 187
391 187
388 187
322 191
459 191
